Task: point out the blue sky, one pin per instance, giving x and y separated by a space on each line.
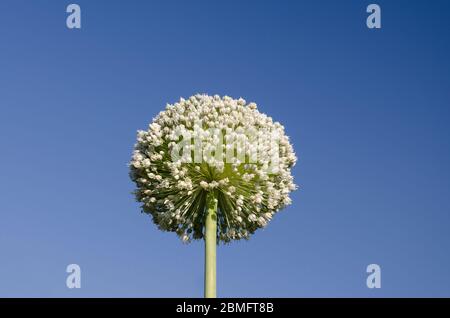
366 110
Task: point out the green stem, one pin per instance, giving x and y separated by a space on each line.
210 245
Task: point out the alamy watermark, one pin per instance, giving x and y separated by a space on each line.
374 278
374 19
73 20
73 280
247 146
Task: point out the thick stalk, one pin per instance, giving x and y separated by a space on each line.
210 245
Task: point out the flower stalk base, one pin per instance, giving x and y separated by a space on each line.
210 245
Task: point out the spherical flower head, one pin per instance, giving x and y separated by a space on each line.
212 145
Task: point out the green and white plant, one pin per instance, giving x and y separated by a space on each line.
212 168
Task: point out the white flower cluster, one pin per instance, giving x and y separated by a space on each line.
227 147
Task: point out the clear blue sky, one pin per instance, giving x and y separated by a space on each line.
367 111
